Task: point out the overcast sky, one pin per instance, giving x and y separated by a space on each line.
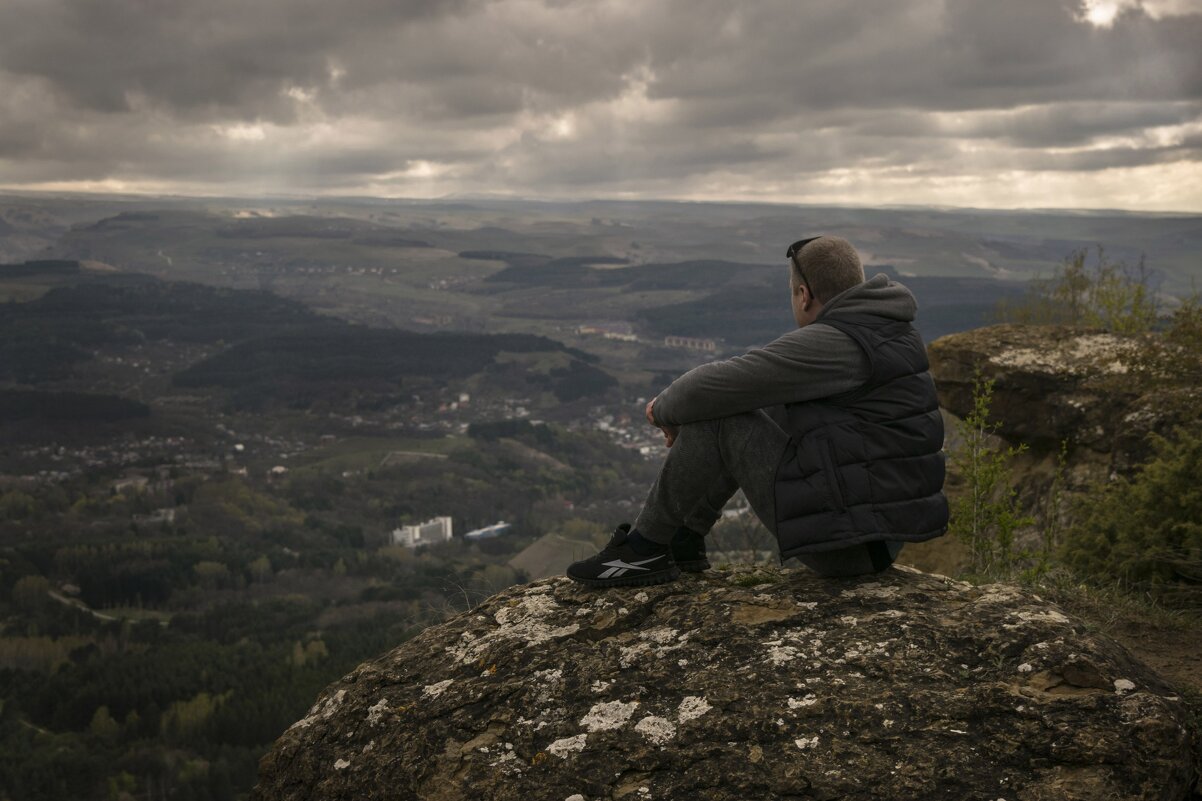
986 103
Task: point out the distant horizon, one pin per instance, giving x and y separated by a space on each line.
248 199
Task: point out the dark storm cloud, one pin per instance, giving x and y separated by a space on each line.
574 97
959 54
211 56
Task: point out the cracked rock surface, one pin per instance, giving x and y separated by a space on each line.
744 684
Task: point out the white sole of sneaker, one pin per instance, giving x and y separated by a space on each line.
658 577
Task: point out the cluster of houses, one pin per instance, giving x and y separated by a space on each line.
609 330
624 332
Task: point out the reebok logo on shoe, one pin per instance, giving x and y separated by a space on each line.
619 568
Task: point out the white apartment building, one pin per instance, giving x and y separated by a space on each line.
436 529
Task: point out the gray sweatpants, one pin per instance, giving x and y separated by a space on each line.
709 461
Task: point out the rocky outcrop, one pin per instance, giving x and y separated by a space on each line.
1050 381
746 684
1058 384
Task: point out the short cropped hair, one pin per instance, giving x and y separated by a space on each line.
829 264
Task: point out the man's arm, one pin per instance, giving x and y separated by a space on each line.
804 364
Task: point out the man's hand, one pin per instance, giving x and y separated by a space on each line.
670 432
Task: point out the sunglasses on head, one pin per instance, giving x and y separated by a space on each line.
793 250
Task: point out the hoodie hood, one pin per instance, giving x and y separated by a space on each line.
878 295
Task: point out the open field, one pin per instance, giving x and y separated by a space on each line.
368 453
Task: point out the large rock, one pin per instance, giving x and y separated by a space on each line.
1052 383
1055 384
909 686
1049 380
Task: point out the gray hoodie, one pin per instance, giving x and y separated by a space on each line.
805 364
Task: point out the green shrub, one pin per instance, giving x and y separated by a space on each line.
1172 359
1101 294
985 513
1146 532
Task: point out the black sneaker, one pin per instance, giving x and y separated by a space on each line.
620 565
688 551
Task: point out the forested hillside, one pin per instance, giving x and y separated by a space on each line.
198 491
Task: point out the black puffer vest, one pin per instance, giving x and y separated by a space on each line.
865 466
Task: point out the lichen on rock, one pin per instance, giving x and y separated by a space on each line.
906 686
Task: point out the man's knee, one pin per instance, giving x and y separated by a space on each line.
751 435
708 429
744 425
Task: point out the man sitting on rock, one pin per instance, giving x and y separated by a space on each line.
846 469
